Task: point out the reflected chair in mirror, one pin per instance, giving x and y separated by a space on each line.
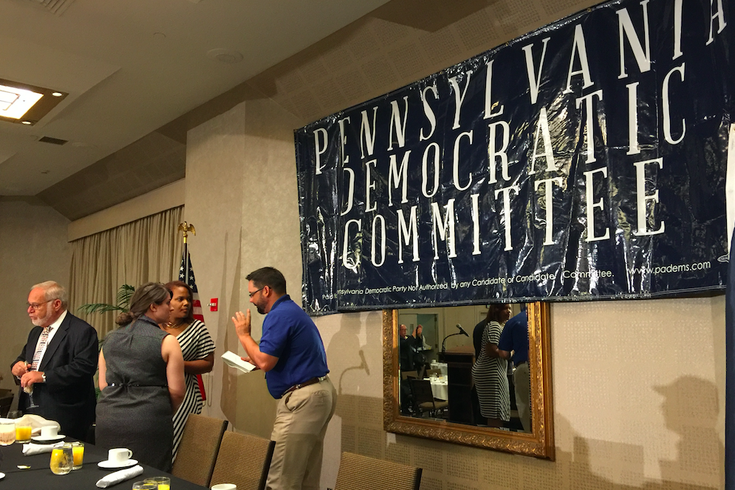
423 398
431 372
198 450
357 472
244 460
409 374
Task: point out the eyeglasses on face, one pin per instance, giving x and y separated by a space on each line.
35 306
256 291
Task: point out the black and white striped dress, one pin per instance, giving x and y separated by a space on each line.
195 344
491 377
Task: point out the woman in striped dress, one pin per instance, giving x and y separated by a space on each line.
197 348
490 371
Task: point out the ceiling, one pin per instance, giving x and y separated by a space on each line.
130 67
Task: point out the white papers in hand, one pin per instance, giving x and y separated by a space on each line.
235 361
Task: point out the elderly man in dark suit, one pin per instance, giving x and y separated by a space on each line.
58 363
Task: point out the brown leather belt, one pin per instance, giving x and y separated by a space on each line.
305 383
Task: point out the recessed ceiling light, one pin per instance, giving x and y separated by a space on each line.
26 104
222 55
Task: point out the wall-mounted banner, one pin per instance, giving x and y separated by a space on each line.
584 160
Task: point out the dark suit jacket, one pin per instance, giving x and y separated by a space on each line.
70 361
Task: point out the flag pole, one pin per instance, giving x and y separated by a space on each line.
185 228
187 275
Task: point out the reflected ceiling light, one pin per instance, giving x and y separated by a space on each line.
26 104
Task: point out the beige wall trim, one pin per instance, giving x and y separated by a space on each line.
161 199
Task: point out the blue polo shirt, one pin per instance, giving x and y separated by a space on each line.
290 335
515 337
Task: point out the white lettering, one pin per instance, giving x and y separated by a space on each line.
547 202
455 161
591 205
627 31
666 107
395 123
642 198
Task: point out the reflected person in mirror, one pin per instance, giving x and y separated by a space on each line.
490 370
292 355
58 362
515 339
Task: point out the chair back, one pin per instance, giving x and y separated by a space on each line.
198 450
421 389
430 372
409 374
357 472
243 459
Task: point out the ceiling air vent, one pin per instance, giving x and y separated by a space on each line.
54 6
53 141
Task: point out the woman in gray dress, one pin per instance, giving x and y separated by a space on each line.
141 380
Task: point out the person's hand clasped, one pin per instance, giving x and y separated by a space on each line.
19 369
242 323
31 377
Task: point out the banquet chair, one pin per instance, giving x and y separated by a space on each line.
409 374
423 397
357 472
429 372
243 459
198 450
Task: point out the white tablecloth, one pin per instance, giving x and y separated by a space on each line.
439 388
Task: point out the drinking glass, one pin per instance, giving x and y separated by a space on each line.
144 485
161 482
77 449
7 432
29 391
62 460
23 430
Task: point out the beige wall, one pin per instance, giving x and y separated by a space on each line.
33 249
614 429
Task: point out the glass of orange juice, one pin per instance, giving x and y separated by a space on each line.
22 431
77 449
161 482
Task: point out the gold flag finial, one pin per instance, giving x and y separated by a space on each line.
185 228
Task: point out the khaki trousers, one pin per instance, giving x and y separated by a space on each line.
302 418
522 382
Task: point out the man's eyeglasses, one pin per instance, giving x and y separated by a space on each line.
35 306
256 292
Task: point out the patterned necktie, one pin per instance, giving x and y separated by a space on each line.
41 347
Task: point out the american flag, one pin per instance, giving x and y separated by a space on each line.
186 274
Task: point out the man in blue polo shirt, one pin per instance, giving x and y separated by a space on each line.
515 338
291 353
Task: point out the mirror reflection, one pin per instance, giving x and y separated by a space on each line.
477 376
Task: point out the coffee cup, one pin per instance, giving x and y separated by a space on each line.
49 431
119 455
225 486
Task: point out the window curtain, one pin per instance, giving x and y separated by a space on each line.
148 249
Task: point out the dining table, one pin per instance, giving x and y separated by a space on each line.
34 473
439 387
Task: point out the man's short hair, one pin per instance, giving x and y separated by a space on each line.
53 290
268 276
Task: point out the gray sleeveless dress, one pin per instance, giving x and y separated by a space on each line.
134 410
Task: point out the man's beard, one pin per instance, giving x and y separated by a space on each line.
261 310
40 322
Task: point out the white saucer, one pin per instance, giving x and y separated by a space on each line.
111 465
48 439
2 475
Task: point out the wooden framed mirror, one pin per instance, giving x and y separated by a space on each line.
455 418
